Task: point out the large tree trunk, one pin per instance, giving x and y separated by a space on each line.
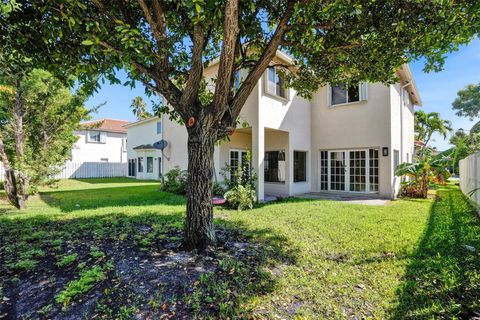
199 230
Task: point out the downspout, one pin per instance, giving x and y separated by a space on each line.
401 118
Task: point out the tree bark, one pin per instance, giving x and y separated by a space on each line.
199 230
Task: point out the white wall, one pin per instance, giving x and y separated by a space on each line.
360 125
175 154
470 177
84 151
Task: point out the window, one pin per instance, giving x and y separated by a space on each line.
342 94
373 170
237 80
131 167
96 137
149 164
159 127
140 164
396 159
299 166
103 159
239 158
323 170
275 166
275 83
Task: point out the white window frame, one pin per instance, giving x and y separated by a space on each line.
240 158
347 170
271 93
362 95
102 137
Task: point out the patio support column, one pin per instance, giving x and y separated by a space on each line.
258 154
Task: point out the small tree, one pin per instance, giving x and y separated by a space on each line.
38 119
426 124
139 108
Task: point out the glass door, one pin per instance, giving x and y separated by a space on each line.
337 170
357 171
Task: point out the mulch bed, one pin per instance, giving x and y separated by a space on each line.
144 283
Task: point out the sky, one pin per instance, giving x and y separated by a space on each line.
437 90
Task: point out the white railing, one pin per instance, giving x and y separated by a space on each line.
470 177
72 170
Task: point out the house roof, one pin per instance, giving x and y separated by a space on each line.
109 125
408 82
132 124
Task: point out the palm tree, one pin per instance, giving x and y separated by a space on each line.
426 124
139 108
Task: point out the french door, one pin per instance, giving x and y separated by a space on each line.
349 170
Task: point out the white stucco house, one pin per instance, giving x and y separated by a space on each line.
345 140
103 140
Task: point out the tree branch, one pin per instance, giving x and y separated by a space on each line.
227 57
153 25
267 55
190 93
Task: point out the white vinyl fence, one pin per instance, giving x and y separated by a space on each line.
470 177
72 170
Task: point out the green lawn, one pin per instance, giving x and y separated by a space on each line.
98 247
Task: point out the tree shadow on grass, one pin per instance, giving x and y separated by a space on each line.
442 280
72 200
140 270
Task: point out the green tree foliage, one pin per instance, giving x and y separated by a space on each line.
464 144
165 45
467 103
426 124
40 116
139 108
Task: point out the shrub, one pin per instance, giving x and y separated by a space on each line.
240 197
176 181
218 189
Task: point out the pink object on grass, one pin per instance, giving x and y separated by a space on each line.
218 200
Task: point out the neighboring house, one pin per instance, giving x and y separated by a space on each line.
103 140
342 140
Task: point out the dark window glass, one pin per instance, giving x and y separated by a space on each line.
140 164
275 167
299 166
344 94
339 94
149 164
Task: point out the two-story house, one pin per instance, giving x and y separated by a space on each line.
345 139
103 140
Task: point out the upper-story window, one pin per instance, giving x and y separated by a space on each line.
275 83
342 94
237 80
96 137
159 127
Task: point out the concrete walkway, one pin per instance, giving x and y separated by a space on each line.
355 198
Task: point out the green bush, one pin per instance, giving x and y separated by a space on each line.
240 197
218 189
176 181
